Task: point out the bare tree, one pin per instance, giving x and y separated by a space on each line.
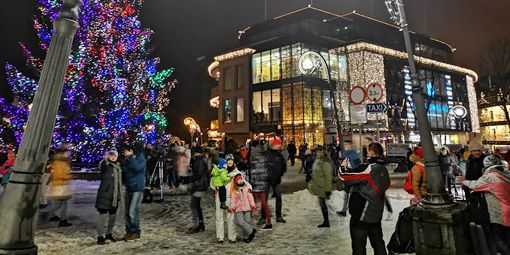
495 66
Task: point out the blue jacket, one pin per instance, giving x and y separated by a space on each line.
353 157
134 173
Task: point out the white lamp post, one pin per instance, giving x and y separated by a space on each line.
312 61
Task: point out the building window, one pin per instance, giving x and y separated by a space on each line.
240 76
266 66
227 110
266 106
240 110
286 62
275 64
229 78
282 63
256 68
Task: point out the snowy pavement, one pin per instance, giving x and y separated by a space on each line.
164 226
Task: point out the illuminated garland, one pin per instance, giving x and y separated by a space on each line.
113 91
362 46
473 107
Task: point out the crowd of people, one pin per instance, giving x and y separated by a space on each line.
241 178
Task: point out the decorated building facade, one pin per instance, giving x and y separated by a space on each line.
261 89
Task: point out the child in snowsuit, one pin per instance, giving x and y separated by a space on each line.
219 178
242 203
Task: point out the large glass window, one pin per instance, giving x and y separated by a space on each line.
282 63
266 66
229 78
286 62
240 76
275 64
266 106
227 110
256 65
275 105
240 110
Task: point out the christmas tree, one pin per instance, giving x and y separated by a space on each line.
113 91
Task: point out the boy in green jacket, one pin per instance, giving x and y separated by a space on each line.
219 177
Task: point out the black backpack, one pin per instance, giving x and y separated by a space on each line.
402 240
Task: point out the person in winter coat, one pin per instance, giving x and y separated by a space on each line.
495 185
60 189
258 177
134 180
220 228
474 167
109 195
308 164
320 184
419 179
199 184
6 168
242 204
448 163
291 148
276 168
366 203
219 178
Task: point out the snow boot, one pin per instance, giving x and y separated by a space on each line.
325 215
199 228
110 237
251 236
342 213
100 240
268 227
223 206
55 218
64 223
280 219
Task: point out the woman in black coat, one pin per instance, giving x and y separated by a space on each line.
109 195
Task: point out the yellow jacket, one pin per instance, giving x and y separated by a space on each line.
419 180
60 171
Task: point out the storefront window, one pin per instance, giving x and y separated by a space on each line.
275 64
342 67
286 62
240 110
227 110
276 108
266 66
296 53
266 106
255 63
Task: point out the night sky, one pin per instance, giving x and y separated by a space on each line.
188 33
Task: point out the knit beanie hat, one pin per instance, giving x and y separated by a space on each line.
229 157
475 146
238 178
222 163
491 160
113 152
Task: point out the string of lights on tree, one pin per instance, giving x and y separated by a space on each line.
113 91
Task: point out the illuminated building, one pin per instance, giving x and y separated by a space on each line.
261 89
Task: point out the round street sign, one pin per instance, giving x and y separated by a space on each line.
375 92
357 95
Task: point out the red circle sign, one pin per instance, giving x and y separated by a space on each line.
375 92
357 95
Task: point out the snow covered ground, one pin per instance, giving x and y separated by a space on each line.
164 227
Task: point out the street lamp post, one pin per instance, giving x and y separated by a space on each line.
439 223
18 207
312 61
